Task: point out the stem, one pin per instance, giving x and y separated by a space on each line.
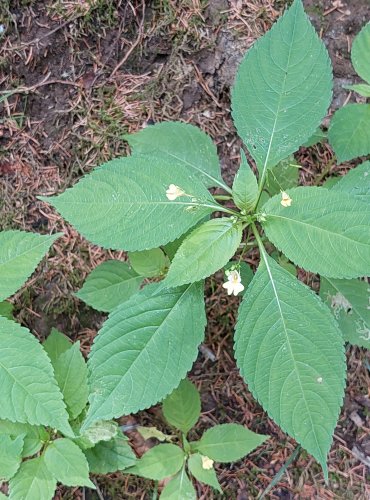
259 240
222 197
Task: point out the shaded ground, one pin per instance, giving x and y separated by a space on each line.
75 76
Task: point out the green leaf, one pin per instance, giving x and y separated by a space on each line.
20 253
179 488
323 231
318 136
102 430
71 374
130 194
67 463
32 481
56 344
11 455
245 187
291 368
356 182
34 437
285 76
159 462
208 248
153 433
181 143
228 442
6 309
283 176
361 88
171 248
206 476
349 302
349 132
144 350
360 54
109 284
29 391
182 407
149 263
110 456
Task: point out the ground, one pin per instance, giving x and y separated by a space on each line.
75 77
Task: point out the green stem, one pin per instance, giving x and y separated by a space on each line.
155 491
222 197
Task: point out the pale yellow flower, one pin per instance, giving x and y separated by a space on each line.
233 284
174 192
207 463
286 200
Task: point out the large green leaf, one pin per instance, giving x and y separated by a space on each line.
184 143
56 343
123 204
11 455
144 350
349 301
360 53
32 481
179 488
323 231
149 263
349 132
208 248
29 392
282 89
356 182
159 462
34 437
245 187
20 252
360 88
290 352
206 475
110 456
182 407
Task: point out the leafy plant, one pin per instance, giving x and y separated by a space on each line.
288 344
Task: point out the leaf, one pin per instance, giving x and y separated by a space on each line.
127 191
245 187
361 88
291 368
208 248
102 430
29 391
349 131
6 309
109 284
349 301
34 437
182 407
56 344
33 480
153 433
20 253
285 76
67 463
144 349
159 462
228 442
11 455
356 182
149 263
71 374
283 176
171 248
181 143
323 231
179 488
206 476
110 456
360 53
318 136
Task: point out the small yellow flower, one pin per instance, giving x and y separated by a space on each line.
174 192
233 284
286 200
207 463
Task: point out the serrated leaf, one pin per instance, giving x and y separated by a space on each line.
144 349
184 143
6 309
291 368
132 190
149 263
283 176
349 301
179 488
11 455
360 53
284 76
228 442
204 475
109 284
323 231
34 437
361 89
56 343
182 407
110 456
208 248
245 187
67 463
20 253
159 462
33 480
356 182
29 391
71 374
349 132
171 248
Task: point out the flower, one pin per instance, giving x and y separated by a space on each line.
174 192
233 283
286 200
207 463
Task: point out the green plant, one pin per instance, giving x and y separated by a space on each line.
156 203
349 132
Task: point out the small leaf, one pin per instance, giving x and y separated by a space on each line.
110 456
283 176
361 89
6 309
318 136
245 187
102 430
56 344
109 284
11 455
206 476
360 54
149 263
356 182
153 433
182 407
159 462
228 442
34 437
67 463
179 488
32 481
